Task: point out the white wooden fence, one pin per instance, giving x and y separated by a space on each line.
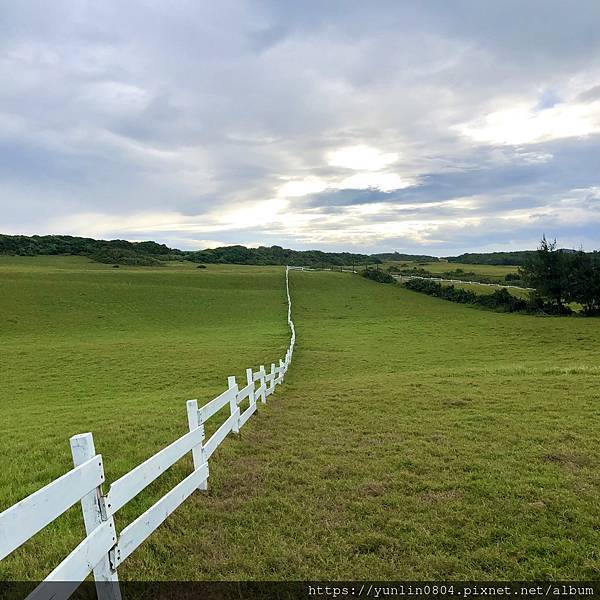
104 549
501 285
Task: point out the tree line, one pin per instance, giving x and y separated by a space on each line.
276 255
515 258
153 254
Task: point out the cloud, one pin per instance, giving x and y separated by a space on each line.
521 124
331 125
590 95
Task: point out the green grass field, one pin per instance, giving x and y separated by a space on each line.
86 347
414 438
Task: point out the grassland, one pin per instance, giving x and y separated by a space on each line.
86 347
413 438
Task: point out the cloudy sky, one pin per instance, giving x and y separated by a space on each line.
431 126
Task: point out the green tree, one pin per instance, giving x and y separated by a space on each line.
584 281
548 272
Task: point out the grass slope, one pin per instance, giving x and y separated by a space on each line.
414 438
117 352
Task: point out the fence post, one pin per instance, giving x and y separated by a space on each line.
272 386
197 451
281 371
250 380
233 406
94 514
263 396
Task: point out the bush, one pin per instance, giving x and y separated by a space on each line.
500 299
412 271
201 267
124 257
379 276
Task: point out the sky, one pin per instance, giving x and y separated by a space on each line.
427 127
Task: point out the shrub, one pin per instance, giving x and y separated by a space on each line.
499 300
124 257
502 299
379 276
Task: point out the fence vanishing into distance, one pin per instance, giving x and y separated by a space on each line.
502 285
402 278
104 549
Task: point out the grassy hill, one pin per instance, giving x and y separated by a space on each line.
414 438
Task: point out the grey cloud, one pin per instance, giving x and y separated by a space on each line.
590 95
570 164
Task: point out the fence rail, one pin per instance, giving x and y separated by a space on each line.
104 549
502 285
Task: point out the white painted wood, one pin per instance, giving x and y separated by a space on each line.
233 404
78 565
261 393
24 519
214 406
245 392
140 529
94 514
132 483
281 370
219 435
194 422
250 380
247 414
271 378
263 385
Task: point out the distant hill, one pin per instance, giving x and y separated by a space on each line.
516 258
276 255
113 251
493 258
397 256
151 253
